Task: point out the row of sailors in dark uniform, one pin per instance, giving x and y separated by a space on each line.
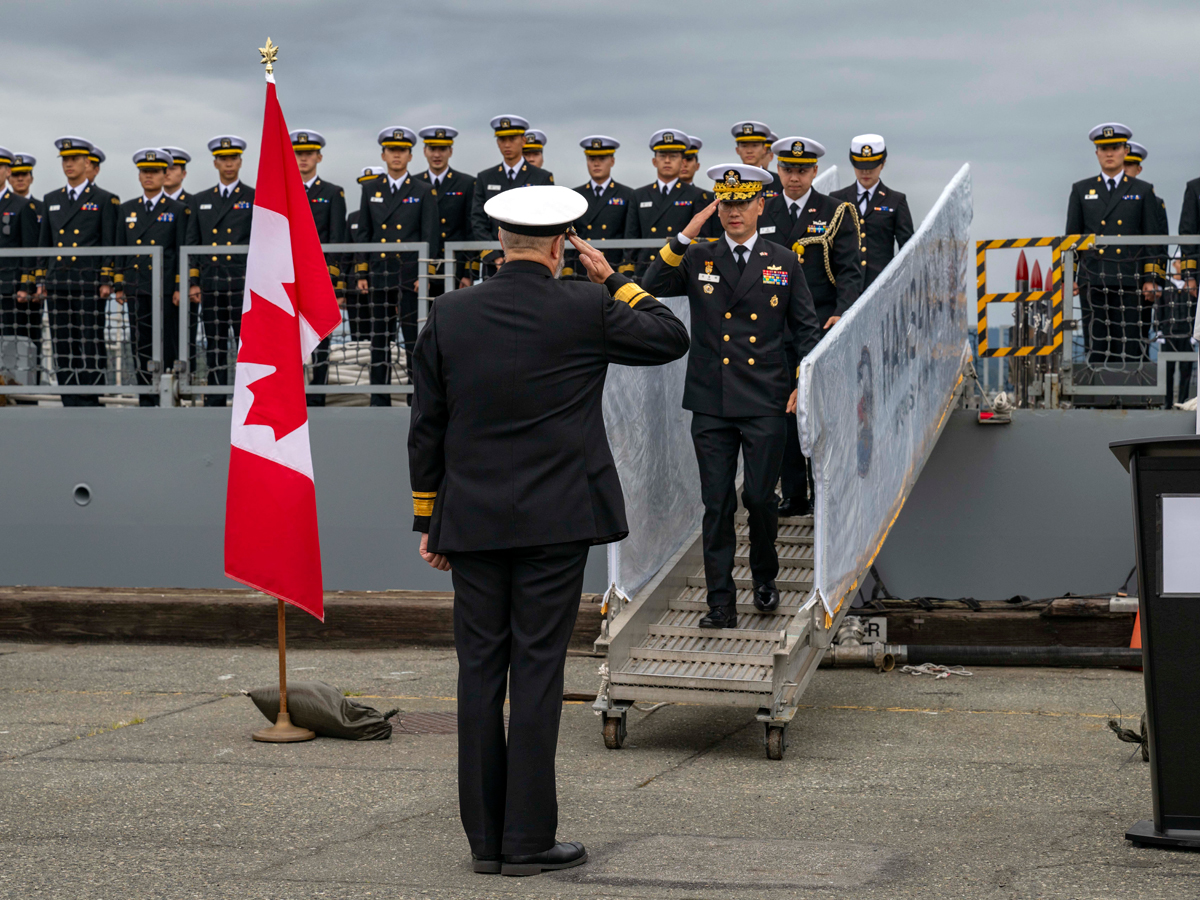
436 206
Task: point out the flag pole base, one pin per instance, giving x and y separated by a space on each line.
284 732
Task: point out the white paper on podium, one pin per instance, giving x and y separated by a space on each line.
1180 544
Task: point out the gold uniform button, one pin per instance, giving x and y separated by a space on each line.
383 226
729 315
604 227
1118 221
725 361
753 315
751 362
589 228
61 231
753 340
77 230
443 234
652 228
1102 222
864 262
1102 249
214 231
60 244
139 240
726 337
229 231
668 228
443 221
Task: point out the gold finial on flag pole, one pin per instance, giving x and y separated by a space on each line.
269 53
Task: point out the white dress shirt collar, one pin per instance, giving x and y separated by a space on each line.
602 186
394 183
227 189
669 185
175 196
749 245
1117 178
800 203
512 171
311 182
152 200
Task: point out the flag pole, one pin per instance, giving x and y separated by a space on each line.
283 731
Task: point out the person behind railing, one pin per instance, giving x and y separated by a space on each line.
152 220
750 306
396 207
221 215
1189 223
513 172
1135 156
824 234
77 288
176 172
1174 325
752 141
454 191
534 150
884 218
28 317
1109 279
18 228
328 204
358 313
608 204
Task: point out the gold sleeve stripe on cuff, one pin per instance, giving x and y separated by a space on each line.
630 293
670 257
422 507
1189 264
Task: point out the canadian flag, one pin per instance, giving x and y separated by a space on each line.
271 539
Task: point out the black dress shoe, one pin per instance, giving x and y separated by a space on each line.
562 855
795 506
720 617
486 865
766 597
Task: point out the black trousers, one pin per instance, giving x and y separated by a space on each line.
320 371
141 336
796 479
1115 329
385 303
77 336
23 320
1185 382
514 611
761 440
222 314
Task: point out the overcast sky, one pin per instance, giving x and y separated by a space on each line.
1011 87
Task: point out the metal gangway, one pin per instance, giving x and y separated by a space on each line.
874 397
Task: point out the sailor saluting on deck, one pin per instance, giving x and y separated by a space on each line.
513 482
749 302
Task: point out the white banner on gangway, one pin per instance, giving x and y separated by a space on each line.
876 392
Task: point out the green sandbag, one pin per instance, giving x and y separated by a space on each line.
322 708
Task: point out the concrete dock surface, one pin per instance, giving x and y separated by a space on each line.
128 772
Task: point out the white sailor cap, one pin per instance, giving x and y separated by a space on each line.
734 182
797 151
694 144
179 157
369 172
396 136
772 137
668 140
1136 153
6 156
599 145
504 126
1107 133
226 145
97 155
751 132
306 139
867 151
438 135
69 145
153 158
539 211
535 139
23 162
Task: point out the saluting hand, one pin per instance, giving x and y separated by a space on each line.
437 560
593 260
693 227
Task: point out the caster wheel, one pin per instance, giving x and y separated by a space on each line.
614 732
776 741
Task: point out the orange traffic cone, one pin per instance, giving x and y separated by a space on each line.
1136 640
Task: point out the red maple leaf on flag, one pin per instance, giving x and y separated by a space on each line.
277 403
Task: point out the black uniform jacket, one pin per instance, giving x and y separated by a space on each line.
831 245
605 219
91 221
1132 208
454 197
506 445
218 220
886 227
775 188
1189 223
493 181
165 226
408 215
742 328
18 228
651 215
328 204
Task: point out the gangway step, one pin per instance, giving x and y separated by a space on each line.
734 676
790 578
720 641
787 534
757 659
789 601
795 553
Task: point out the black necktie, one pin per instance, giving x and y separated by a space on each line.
741 253
795 212
599 192
512 176
393 187
73 194
149 206
1112 184
863 199
666 189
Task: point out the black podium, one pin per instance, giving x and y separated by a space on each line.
1166 507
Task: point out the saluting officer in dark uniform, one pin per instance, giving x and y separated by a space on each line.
751 315
222 215
753 140
1115 282
396 208
513 172
328 204
534 150
152 220
176 172
18 228
78 215
608 204
824 234
358 312
664 207
883 214
513 482
454 191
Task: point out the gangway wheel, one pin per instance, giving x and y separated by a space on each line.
614 732
776 741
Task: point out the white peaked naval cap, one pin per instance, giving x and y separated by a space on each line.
538 211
